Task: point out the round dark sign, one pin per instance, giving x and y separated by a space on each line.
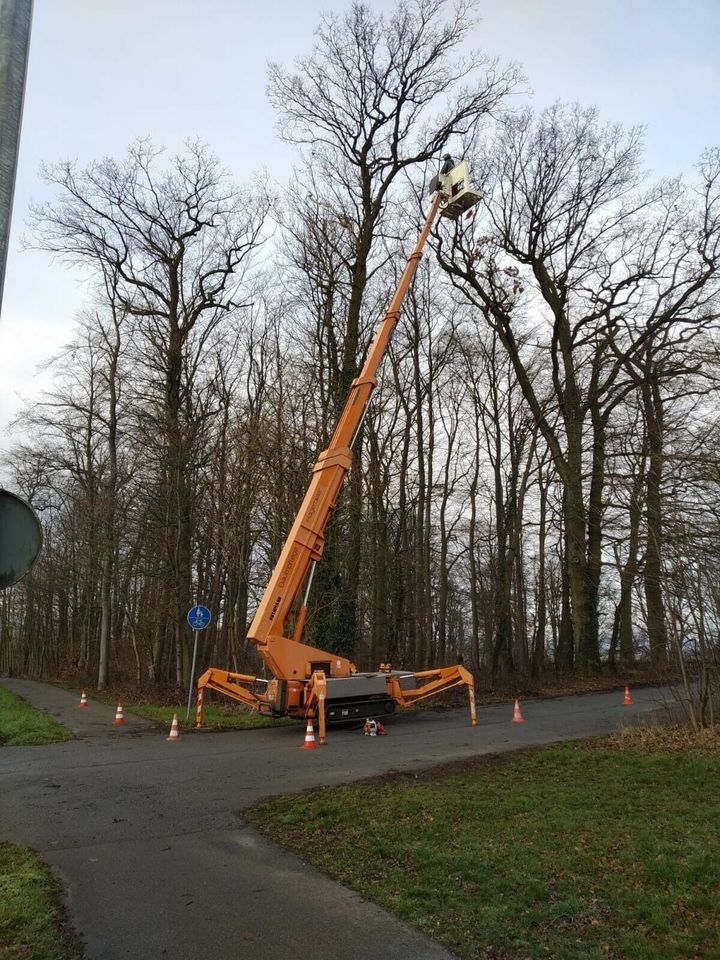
20 538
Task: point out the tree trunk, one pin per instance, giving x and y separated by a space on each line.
653 578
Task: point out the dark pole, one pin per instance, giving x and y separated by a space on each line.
15 18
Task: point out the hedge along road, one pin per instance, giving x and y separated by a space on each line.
157 862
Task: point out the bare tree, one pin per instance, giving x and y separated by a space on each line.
576 258
173 246
364 107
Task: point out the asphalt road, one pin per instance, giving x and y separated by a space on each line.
148 836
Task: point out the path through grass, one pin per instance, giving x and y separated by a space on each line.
574 852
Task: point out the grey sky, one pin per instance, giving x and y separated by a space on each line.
103 72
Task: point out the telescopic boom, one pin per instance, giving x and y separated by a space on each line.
306 540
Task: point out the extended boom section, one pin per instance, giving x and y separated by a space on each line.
307 681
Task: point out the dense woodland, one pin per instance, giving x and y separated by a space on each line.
536 483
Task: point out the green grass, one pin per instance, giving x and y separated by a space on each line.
575 852
31 925
20 723
214 718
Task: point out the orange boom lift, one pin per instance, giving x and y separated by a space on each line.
309 683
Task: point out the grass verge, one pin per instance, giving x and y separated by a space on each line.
223 716
20 723
574 852
32 925
214 718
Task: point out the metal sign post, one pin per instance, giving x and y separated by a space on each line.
198 617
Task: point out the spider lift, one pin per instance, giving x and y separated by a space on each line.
309 683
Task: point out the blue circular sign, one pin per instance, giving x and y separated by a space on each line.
199 617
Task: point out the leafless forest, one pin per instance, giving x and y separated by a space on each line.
537 483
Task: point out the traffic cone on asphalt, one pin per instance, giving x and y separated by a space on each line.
83 699
627 702
517 716
174 729
119 718
309 737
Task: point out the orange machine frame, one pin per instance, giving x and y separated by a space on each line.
301 673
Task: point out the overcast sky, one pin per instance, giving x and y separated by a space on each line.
103 72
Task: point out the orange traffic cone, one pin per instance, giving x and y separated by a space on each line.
83 700
627 702
309 737
119 718
174 729
517 716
